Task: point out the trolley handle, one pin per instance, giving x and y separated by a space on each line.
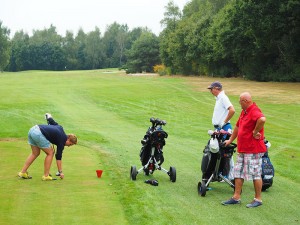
231 145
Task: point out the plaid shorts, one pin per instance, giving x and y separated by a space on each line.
248 166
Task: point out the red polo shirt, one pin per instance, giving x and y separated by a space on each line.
246 143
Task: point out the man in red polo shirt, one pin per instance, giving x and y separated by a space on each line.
249 131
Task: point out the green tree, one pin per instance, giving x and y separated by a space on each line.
45 50
70 51
172 16
19 58
288 43
80 42
41 51
121 41
144 53
4 46
199 14
184 44
114 41
49 35
133 35
94 50
258 37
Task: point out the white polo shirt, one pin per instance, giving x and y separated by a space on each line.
221 108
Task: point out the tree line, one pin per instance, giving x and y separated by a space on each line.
251 38
47 50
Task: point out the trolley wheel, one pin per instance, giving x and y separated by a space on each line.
133 173
202 188
265 186
172 174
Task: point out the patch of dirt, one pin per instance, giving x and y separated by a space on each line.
142 74
11 139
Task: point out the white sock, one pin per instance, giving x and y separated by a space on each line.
255 199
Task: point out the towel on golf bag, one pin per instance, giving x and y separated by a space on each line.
267 173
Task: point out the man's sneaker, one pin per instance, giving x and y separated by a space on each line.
231 201
24 175
254 203
47 178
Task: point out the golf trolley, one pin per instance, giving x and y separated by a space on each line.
151 154
216 157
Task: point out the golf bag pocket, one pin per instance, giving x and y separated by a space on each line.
205 159
227 152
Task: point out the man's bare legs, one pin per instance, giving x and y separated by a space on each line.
238 183
257 187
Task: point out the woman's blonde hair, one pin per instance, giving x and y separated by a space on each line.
72 138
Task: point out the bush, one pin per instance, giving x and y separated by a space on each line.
160 69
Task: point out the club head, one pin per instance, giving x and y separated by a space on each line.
210 132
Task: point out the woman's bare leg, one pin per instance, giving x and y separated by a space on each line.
48 160
34 154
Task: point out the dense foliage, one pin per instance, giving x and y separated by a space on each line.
4 46
256 39
144 54
47 50
250 38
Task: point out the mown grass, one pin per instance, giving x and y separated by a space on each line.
109 112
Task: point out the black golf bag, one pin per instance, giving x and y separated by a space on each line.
267 172
154 136
215 161
151 153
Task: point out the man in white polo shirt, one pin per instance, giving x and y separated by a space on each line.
222 114
223 110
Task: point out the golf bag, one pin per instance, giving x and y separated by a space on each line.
157 138
151 153
267 173
215 160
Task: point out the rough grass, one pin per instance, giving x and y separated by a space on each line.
109 112
270 92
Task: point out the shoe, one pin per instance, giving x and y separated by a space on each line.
57 174
47 178
254 203
24 175
231 201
